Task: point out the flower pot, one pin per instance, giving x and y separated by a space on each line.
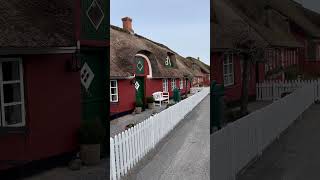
150 105
138 110
90 154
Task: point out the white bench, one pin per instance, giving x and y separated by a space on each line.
160 97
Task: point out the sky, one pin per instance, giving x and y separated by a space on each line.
311 4
182 25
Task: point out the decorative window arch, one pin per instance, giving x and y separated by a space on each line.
148 62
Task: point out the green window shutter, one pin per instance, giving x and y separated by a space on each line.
168 62
139 65
94 20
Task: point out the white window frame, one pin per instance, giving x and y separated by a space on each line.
21 102
173 84
227 74
168 61
165 85
117 91
181 83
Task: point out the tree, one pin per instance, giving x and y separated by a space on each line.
251 49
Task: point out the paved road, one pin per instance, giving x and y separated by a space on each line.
97 172
296 156
185 156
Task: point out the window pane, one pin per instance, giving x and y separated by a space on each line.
13 114
226 79
230 69
113 83
10 71
11 93
231 78
113 91
114 98
225 69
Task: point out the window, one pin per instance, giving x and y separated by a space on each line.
228 74
114 97
181 83
169 61
12 107
173 84
165 85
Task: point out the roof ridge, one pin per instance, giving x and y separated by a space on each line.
142 37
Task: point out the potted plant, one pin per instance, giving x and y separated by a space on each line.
91 135
139 105
150 101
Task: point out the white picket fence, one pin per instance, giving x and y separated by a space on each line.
194 90
234 146
129 147
272 90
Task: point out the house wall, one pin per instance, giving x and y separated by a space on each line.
53 104
153 85
127 92
233 92
126 97
306 65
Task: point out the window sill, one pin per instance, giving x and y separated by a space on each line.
13 130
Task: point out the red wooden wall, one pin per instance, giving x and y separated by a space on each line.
53 110
233 92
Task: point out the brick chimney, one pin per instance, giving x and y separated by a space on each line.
127 24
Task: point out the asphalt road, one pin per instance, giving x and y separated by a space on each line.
295 156
186 153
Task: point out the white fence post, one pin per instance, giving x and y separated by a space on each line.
239 142
113 175
129 147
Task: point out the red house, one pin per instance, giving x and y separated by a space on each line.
232 18
200 70
52 59
139 67
305 25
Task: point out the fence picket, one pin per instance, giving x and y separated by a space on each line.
238 143
129 147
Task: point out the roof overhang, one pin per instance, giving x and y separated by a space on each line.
38 50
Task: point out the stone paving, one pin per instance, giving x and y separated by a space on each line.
118 125
97 172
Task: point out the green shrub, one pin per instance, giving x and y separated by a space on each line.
176 95
139 103
150 99
92 132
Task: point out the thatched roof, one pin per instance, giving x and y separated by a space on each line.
232 16
124 46
199 65
255 10
290 9
37 23
314 17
